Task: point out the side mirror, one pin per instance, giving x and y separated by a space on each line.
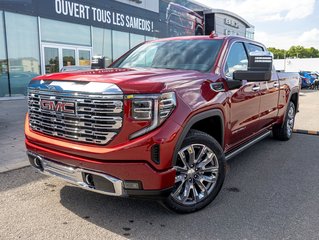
259 68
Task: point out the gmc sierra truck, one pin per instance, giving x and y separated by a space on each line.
161 121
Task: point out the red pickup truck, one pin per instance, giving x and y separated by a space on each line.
161 121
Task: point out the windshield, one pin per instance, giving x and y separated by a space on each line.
199 55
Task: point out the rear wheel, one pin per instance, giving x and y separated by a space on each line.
284 131
200 173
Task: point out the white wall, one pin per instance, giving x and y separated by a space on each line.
297 64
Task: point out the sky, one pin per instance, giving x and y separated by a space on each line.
278 23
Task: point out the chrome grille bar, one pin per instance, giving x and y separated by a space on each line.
97 118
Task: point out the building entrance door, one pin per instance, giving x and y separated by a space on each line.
56 56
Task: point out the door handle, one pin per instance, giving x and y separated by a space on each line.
276 84
256 88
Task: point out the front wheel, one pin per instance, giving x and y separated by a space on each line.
200 173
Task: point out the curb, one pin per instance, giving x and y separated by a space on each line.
308 132
14 166
12 98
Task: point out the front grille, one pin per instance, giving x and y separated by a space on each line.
97 119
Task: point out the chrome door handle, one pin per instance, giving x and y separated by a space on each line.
256 88
276 84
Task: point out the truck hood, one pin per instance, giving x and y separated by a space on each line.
132 80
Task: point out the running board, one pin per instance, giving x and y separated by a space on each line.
247 145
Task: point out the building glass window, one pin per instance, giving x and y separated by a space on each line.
51 59
84 58
63 32
121 43
250 32
23 51
102 43
4 86
136 39
68 57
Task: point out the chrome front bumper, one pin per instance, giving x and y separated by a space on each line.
106 184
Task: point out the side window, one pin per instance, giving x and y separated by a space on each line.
237 59
254 48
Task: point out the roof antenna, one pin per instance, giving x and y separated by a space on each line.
213 34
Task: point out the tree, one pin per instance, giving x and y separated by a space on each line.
295 52
312 52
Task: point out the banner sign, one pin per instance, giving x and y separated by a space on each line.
109 14
175 17
103 15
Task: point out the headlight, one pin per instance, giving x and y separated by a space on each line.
153 108
142 109
167 104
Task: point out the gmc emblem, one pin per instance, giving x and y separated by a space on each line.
57 106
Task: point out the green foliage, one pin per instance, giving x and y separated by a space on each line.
295 52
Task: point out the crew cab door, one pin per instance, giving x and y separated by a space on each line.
244 97
269 93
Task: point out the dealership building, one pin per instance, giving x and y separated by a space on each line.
40 37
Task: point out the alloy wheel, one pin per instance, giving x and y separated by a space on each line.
290 120
196 174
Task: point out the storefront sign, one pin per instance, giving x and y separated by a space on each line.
228 32
231 22
170 18
102 15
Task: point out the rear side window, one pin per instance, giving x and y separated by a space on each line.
254 48
236 60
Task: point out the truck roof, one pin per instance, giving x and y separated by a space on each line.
205 37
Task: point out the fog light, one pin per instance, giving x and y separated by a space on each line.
88 178
132 185
37 162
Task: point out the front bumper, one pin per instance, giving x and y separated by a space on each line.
89 180
151 179
96 182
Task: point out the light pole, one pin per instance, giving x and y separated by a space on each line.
284 60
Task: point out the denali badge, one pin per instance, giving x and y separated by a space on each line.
57 106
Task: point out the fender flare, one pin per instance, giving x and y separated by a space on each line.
194 119
289 99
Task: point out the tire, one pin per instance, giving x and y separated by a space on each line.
197 185
284 132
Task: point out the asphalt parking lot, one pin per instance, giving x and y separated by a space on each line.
271 192
12 150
